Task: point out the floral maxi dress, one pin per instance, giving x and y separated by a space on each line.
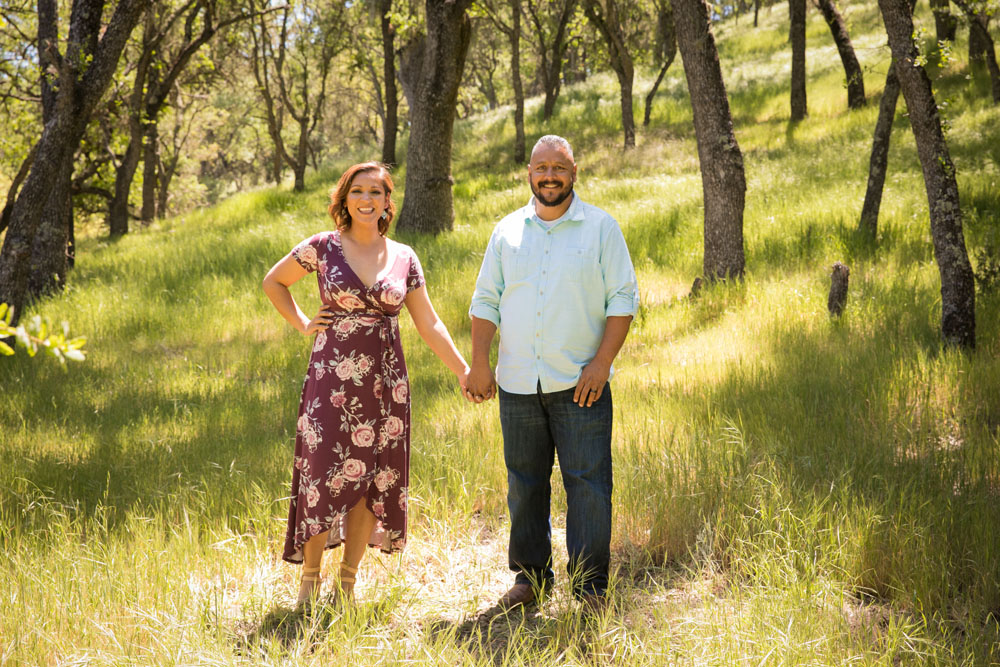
352 437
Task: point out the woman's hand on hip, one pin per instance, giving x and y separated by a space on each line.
319 323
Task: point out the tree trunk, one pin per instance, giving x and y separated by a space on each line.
124 175
605 17
628 118
958 294
668 38
48 253
515 77
432 67
301 156
150 159
944 23
89 64
840 276
722 177
979 29
756 11
15 185
880 155
852 69
552 55
391 124
797 16
277 167
165 173
977 47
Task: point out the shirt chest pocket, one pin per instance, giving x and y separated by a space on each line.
579 265
518 263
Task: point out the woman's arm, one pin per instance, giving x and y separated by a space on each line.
276 283
435 333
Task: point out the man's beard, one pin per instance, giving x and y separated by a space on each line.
562 196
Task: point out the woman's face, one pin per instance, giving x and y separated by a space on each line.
366 198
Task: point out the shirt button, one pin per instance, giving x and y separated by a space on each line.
538 357
539 313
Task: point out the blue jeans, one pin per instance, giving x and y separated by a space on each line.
535 427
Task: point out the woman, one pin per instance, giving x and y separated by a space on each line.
352 442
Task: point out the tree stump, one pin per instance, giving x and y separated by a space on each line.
838 289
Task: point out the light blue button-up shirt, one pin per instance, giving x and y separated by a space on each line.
550 288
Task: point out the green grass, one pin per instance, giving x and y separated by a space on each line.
789 489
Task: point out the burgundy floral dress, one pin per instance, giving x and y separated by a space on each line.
352 438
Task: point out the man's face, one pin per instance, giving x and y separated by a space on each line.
551 173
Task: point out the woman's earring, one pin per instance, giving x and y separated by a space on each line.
385 214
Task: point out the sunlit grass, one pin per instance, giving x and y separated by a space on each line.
788 489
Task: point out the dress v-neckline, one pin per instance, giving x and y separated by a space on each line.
379 277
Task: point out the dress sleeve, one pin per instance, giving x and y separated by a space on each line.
415 274
307 253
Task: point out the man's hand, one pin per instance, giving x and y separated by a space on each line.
593 378
480 385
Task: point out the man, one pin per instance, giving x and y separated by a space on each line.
558 282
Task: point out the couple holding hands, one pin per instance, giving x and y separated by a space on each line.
557 282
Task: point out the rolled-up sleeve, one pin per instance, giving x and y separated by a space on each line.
621 296
489 285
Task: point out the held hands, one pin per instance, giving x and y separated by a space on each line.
593 378
480 384
321 322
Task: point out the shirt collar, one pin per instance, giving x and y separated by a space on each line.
574 212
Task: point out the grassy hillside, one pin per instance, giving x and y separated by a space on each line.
788 490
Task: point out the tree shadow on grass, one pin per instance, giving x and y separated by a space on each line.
846 416
132 440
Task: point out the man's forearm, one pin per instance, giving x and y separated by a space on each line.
482 336
615 330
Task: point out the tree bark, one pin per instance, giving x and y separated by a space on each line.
124 174
839 282
15 185
85 72
165 174
515 77
391 123
605 16
49 256
512 30
979 28
667 38
852 69
722 176
944 23
150 161
797 20
958 294
880 155
977 47
432 67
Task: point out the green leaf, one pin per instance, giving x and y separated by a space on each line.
75 355
5 349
